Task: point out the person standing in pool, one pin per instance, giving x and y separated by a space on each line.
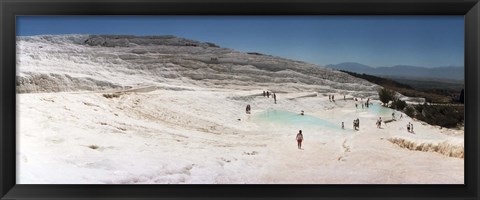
248 109
275 98
299 139
343 126
268 94
264 93
411 128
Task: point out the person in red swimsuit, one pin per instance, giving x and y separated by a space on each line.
299 139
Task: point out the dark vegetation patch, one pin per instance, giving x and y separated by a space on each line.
255 53
113 95
443 94
441 115
449 116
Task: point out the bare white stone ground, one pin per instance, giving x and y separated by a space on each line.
121 115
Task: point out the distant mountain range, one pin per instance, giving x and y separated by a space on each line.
403 71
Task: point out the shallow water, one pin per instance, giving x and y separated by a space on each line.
286 118
290 118
374 110
381 111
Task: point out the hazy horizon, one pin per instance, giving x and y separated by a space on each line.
376 41
454 66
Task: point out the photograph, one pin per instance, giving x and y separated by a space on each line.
240 99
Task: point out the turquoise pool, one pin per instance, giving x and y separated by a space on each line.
279 117
380 110
290 118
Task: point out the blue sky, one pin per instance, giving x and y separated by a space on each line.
429 41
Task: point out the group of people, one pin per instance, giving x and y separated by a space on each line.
331 98
410 127
356 124
366 104
267 94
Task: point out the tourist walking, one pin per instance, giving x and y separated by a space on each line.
275 98
379 122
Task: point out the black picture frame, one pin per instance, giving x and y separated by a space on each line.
9 9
